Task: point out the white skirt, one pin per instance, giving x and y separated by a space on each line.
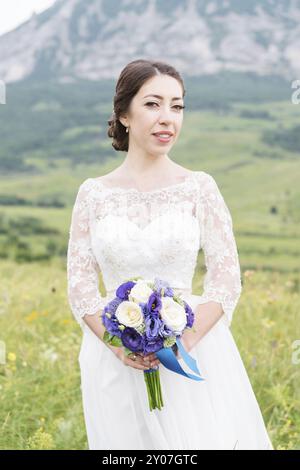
220 412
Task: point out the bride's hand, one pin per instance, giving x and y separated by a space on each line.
186 345
140 362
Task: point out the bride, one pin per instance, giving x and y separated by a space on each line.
150 217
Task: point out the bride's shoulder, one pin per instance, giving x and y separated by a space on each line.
205 178
86 189
207 185
87 184
111 180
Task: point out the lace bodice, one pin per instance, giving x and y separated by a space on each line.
126 232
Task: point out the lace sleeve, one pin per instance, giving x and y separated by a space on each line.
222 281
82 268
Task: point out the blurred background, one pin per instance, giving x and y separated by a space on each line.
59 62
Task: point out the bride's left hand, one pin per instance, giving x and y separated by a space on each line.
150 359
185 343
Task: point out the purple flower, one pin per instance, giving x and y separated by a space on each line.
111 307
124 289
165 331
154 305
144 309
153 325
169 292
190 316
160 284
152 345
111 324
132 340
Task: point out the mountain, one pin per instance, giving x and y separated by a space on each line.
94 39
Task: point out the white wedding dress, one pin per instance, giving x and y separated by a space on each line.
125 233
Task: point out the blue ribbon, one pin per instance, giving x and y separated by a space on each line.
170 361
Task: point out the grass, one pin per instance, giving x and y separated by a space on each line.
40 382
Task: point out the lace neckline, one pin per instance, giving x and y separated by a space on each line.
170 187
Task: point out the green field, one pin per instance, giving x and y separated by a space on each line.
39 384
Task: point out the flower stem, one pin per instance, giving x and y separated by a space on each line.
152 380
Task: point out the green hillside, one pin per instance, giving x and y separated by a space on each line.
53 137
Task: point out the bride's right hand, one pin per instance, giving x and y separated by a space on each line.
139 362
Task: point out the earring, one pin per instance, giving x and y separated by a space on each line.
127 129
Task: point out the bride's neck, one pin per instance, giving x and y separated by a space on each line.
146 167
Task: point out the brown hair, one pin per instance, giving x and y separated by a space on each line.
131 79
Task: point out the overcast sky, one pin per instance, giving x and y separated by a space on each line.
15 12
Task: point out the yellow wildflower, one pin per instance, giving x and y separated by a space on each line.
12 357
32 316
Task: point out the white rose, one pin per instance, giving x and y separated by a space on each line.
173 314
130 314
140 292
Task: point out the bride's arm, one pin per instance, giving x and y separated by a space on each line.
94 322
222 281
206 316
82 267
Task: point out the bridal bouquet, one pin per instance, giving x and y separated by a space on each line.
147 317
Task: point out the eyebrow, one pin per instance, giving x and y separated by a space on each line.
161 97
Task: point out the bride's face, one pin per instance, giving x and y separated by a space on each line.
149 114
